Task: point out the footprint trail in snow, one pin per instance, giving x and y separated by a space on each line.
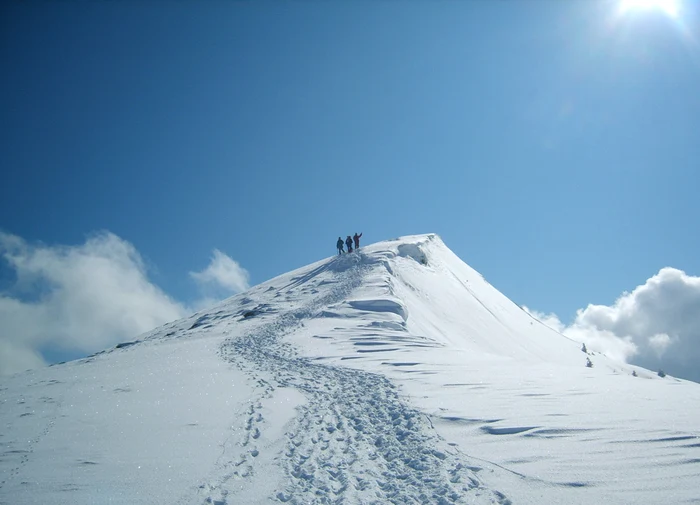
355 440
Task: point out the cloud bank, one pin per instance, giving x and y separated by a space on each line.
85 298
656 326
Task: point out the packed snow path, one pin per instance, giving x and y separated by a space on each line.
355 441
356 380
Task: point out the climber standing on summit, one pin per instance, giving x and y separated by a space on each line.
356 238
339 245
348 242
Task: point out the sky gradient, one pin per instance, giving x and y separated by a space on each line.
553 146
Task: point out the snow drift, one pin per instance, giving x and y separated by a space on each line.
395 374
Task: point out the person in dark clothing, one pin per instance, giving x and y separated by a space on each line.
339 245
348 242
356 238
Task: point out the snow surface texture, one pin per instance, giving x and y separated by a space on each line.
395 374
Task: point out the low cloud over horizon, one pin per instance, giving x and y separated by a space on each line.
656 326
85 298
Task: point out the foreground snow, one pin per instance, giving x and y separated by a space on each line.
396 375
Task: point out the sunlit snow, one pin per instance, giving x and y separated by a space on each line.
396 374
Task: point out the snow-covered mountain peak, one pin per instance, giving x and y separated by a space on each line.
393 374
414 286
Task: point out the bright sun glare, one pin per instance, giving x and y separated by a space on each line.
670 7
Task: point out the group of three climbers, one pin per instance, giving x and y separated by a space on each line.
348 242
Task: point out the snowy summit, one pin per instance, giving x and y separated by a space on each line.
393 374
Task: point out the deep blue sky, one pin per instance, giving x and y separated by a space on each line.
554 146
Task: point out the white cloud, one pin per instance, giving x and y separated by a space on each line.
621 348
659 343
550 320
81 298
223 274
657 325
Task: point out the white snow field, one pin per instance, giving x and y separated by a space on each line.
395 374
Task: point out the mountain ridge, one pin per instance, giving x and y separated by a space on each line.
393 374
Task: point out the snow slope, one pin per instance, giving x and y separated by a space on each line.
392 375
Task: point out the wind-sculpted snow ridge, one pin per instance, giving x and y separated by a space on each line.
356 440
394 375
